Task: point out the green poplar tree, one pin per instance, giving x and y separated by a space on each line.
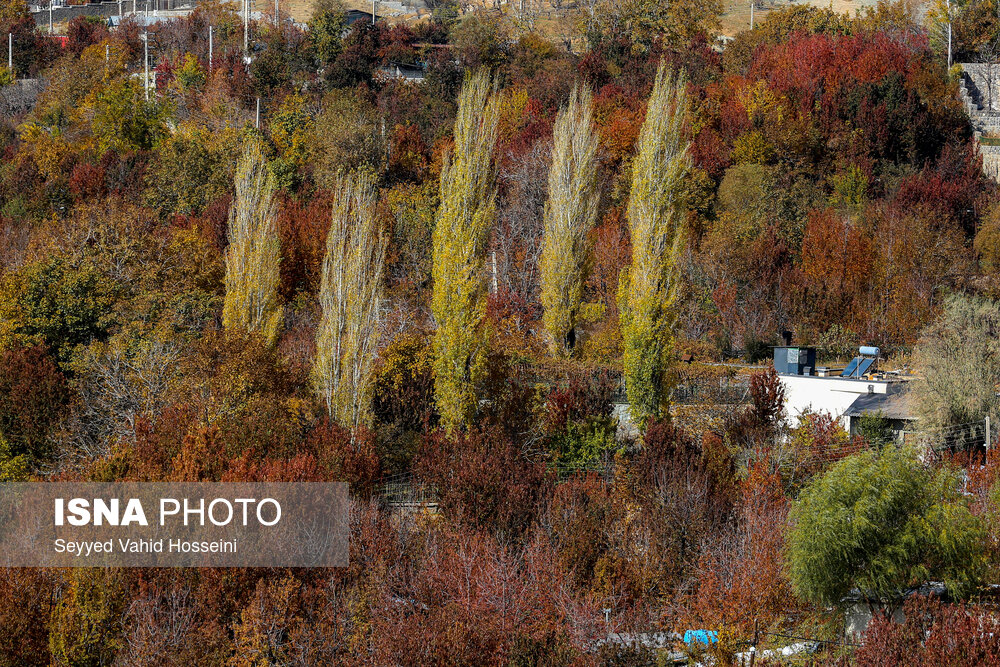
570 213
254 253
350 296
647 293
461 231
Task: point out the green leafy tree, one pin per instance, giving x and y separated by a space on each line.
570 213
190 75
461 231
644 22
875 428
347 137
123 120
881 523
55 303
187 174
86 628
252 272
350 296
326 28
13 468
647 294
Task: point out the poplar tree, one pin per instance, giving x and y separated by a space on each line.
350 295
461 231
647 294
570 213
254 253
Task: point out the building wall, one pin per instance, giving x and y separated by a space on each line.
62 14
833 395
858 615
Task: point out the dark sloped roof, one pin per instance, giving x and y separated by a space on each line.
893 405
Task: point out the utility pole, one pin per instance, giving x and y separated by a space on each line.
145 61
258 114
989 435
373 12
752 3
50 16
119 10
949 34
494 257
275 13
246 26
209 48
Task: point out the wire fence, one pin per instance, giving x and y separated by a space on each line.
951 439
408 490
405 490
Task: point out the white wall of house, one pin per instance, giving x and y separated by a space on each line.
833 395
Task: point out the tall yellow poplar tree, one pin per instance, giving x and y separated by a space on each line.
350 295
647 294
461 231
570 213
254 253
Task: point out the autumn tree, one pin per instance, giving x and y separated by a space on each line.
350 296
648 291
461 232
570 214
485 479
645 22
960 360
252 273
33 394
58 302
931 633
741 574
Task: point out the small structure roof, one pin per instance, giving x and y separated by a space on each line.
896 404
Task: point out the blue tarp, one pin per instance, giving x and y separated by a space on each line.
701 636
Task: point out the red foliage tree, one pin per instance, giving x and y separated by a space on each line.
303 226
84 31
933 633
740 572
33 395
484 479
346 457
472 600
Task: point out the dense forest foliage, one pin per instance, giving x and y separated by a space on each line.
175 254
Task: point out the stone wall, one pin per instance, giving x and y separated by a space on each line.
20 97
975 92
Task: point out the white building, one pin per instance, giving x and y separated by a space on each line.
810 389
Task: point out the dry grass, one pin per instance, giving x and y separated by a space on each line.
301 10
558 26
736 16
